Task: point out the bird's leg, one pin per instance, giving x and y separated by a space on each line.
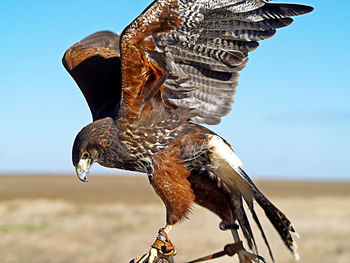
243 255
161 248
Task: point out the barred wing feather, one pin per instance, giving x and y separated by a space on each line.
203 51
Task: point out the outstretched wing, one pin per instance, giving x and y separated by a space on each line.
190 52
94 63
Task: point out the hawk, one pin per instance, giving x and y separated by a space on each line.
150 88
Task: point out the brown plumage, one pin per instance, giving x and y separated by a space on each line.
174 67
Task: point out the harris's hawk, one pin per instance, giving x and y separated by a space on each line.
149 89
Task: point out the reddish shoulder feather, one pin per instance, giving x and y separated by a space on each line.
142 77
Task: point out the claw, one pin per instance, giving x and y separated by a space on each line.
247 257
161 249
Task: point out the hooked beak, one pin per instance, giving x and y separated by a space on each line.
82 169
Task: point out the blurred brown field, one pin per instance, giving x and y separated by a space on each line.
57 219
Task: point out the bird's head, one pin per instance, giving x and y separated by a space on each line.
89 145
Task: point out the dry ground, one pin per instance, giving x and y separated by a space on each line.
56 219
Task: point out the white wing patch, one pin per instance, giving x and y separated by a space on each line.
224 151
226 165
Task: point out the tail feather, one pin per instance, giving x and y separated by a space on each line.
241 217
256 219
227 166
281 223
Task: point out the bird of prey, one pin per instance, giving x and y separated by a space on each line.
150 88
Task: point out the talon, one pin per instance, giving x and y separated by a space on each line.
247 257
161 249
243 255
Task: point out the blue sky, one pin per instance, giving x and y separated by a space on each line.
291 118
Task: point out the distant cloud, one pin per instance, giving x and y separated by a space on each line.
310 117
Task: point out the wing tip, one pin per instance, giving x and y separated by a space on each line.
308 9
301 9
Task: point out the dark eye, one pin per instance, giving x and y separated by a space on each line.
85 155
